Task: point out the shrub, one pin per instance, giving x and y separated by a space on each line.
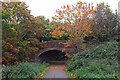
107 51
23 70
99 61
91 69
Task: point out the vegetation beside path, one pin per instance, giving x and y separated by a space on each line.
23 70
96 30
98 61
70 75
42 74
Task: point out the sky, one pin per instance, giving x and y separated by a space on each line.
47 8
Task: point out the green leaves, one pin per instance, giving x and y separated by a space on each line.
91 69
6 15
98 61
23 70
21 30
104 22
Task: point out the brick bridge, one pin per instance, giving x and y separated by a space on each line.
53 45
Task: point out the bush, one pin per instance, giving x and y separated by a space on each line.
107 51
74 63
99 61
91 69
23 70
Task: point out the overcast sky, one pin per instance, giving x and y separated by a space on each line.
47 8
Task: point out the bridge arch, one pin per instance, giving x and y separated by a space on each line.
52 55
54 45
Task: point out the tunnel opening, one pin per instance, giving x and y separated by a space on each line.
53 57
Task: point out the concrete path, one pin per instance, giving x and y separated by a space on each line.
56 72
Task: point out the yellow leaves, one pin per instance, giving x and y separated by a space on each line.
54 18
63 49
59 27
36 40
71 18
85 35
64 7
28 41
90 11
86 12
13 20
71 11
73 14
92 7
68 19
90 31
13 29
67 54
60 12
79 2
63 27
80 38
93 11
50 24
78 13
62 32
68 7
70 15
60 18
63 11
3 42
83 7
73 24
76 16
60 36
48 29
65 22
89 5
60 42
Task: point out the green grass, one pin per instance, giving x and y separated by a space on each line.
98 61
70 75
23 70
42 74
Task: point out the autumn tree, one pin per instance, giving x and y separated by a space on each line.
104 22
75 19
63 37
45 28
19 31
19 14
19 11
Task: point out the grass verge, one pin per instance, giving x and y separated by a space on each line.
42 74
70 75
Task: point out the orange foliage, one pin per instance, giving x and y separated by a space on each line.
67 55
90 31
68 7
76 20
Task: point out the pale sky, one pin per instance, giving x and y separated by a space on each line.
47 8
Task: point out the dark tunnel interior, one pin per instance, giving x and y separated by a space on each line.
53 56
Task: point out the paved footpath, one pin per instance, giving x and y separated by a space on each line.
56 72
